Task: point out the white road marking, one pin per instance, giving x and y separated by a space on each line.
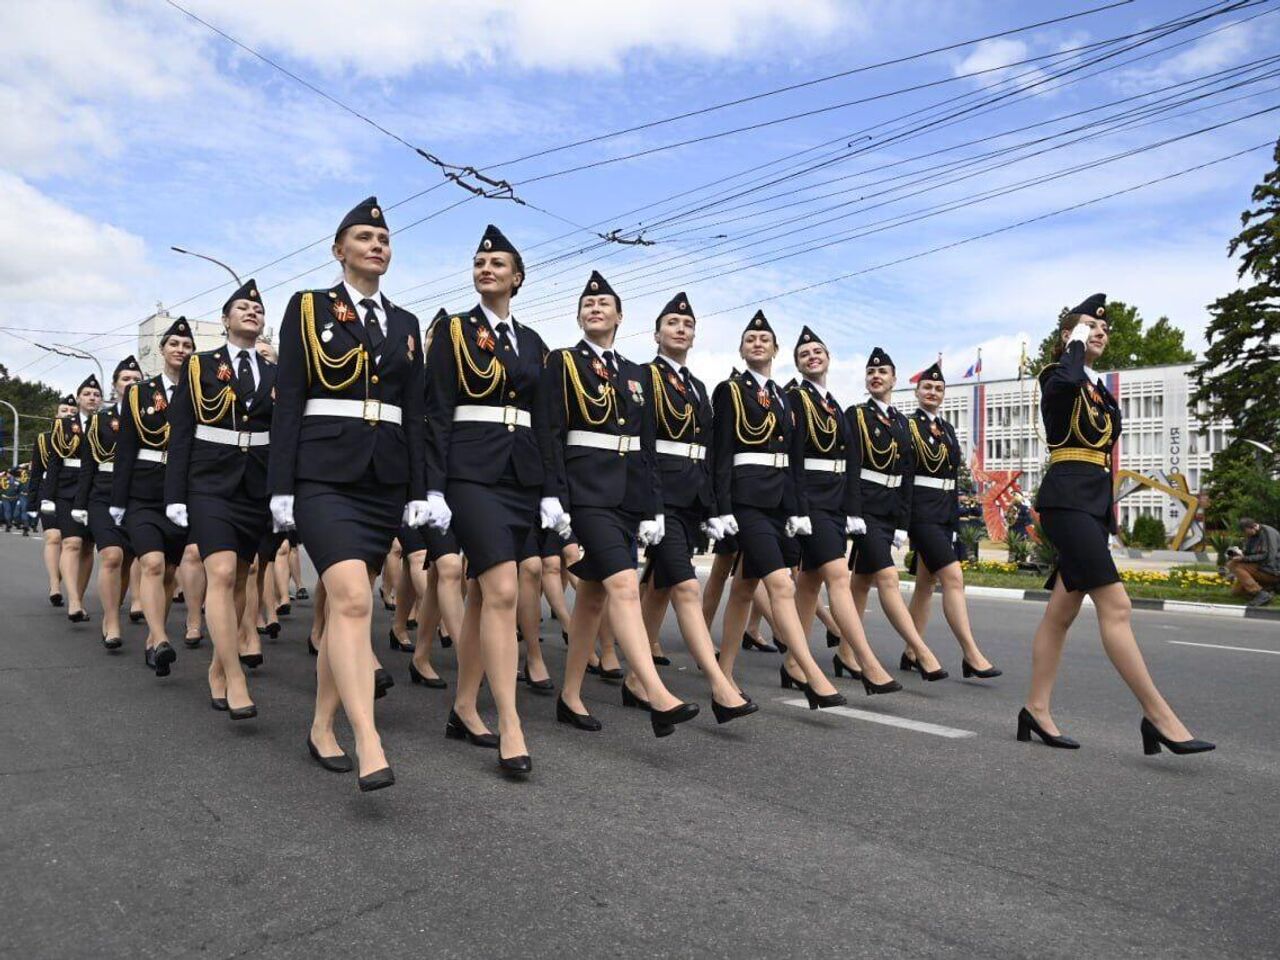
953 733
1223 646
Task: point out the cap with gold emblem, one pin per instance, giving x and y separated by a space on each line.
879 358
494 241
1095 306
68 401
366 213
759 323
248 291
90 383
179 328
807 336
679 304
598 286
933 373
128 363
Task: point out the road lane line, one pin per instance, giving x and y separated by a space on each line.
919 726
1223 646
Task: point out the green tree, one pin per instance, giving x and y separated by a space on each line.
36 403
1131 345
1241 485
1239 378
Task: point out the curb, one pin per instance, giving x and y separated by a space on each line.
1139 603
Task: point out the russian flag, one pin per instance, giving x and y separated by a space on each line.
974 369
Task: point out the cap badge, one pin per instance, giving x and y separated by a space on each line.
488 244
375 212
594 285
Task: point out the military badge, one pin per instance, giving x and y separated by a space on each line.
343 313
485 339
224 372
676 382
935 429
412 346
1093 393
158 401
637 392
599 369
830 407
762 398
75 428
115 423
882 418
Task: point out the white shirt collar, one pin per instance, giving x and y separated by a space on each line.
169 385
674 366
884 407
822 391
599 351
1091 374
379 307
762 380
931 416
234 352
494 319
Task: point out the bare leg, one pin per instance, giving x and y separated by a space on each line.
956 612
608 648
53 559
499 587
736 611
295 568
835 576
319 613
787 622
588 611
111 589
86 569
529 617
135 586
280 578
553 590
226 577
192 580
721 567
157 589
686 599
69 564
895 608
466 644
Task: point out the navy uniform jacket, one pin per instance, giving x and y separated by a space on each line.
937 455
747 420
465 369
40 454
886 448
144 425
681 418
66 442
99 448
1080 419
206 395
325 354
823 433
581 394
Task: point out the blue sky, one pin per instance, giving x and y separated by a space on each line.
133 128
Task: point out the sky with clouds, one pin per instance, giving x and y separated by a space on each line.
132 127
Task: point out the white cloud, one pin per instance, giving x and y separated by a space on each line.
991 55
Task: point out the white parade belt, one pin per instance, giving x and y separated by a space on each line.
107 467
371 411
603 441
154 456
884 479
824 465
474 413
72 462
233 438
779 461
689 451
937 483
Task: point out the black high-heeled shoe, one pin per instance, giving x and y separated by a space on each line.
382 682
163 655
968 670
832 639
273 630
822 701
149 657
1153 740
180 598
284 609
312 648
788 682
385 604
724 714
341 763
630 699
892 686
407 647
751 643
251 660
411 624
55 599
80 616
455 729
112 643
613 675
262 631
664 721
565 635
377 780
930 675
543 687
520 766
136 616
446 641
906 663
841 668
302 594
1027 725
219 703
593 668
243 713
580 721
192 642
434 683
662 660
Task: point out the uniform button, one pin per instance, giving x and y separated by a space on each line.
697 429
511 428
622 420
780 439
511 395
374 378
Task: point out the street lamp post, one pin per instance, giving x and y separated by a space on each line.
65 351
192 253
15 429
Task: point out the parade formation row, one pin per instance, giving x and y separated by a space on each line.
478 448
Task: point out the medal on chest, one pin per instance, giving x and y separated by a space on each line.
224 372
158 402
762 398
343 313
115 424
599 369
676 382
327 333
485 339
636 391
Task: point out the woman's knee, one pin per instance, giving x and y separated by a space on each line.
887 579
780 586
687 591
152 564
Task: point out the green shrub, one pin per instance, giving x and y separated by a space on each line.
1148 534
1019 547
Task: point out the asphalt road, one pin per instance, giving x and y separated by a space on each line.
139 823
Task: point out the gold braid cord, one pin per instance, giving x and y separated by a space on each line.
605 402
1100 420
99 450
208 411
490 377
319 364
749 435
42 442
821 424
61 446
879 458
156 439
662 404
933 462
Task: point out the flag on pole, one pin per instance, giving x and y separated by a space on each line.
975 369
915 377
1024 362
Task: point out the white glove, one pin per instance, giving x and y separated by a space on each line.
117 514
80 516
1081 332
801 526
714 528
730 524
652 531
439 516
415 513
899 539
553 515
855 525
47 506
177 514
31 515
282 511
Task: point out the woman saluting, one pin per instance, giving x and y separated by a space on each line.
1082 424
346 465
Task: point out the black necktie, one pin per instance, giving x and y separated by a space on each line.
608 362
504 337
244 378
772 387
376 339
688 382
892 413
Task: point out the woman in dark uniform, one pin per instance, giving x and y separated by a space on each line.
58 492
216 479
1082 424
827 454
884 476
935 523
41 454
761 496
93 502
137 490
487 446
346 464
604 466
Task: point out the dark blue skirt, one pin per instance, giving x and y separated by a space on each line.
348 521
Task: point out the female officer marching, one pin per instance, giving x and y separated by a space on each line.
761 496
93 502
1082 424
604 463
216 479
345 463
137 490
935 520
486 448
884 476
41 454
826 451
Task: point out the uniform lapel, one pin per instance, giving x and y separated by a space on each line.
354 326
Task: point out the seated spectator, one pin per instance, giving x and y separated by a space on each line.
1257 568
